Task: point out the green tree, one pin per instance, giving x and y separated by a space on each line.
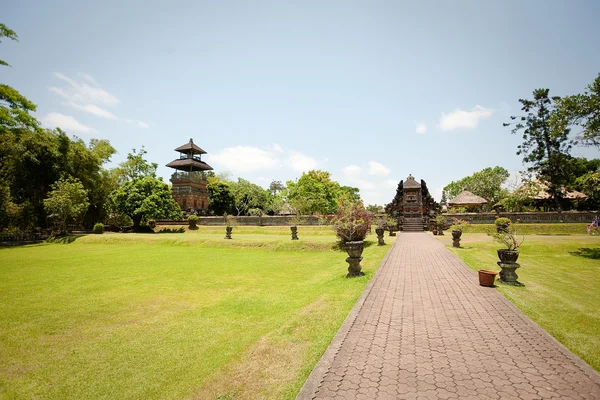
249 196
276 187
136 166
314 192
144 198
67 201
581 110
221 200
545 145
349 193
486 183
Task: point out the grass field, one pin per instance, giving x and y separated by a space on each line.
169 316
562 285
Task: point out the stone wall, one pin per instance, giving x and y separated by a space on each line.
279 220
527 217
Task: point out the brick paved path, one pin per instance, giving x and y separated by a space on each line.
425 329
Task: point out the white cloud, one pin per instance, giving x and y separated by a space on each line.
81 92
378 169
464 119
240 159
301 163
277 148
390 183
421 128
363 184
142 125
93 109
352 171
65 122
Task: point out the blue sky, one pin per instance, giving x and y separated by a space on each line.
370 91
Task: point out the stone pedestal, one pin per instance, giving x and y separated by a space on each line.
294 230
354 267
508 275
380 232
228 230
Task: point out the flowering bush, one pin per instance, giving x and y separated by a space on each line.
507 237
459 224
351 222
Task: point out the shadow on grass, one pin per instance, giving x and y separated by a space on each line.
587 252
64 239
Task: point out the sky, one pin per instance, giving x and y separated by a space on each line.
371 91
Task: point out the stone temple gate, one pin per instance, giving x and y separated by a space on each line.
412 206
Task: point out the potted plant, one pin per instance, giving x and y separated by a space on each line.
392 225
509 255
440 223
295 221
457 230
230 222
351 224
508 237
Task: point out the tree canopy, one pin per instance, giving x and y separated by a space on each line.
68 200
316 192
486 183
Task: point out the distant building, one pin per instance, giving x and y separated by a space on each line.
189 180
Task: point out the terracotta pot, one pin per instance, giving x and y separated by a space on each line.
508 256
486 277
435 232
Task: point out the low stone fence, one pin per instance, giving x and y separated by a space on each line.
14 239
278 220
528 217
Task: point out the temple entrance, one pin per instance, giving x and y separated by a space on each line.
412 206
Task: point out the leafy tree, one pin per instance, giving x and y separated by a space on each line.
276 187
68 200
221 200
545 145
486 183
581 110
144 198
314 192
136 166
249 196
349 193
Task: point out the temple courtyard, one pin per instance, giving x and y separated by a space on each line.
190 315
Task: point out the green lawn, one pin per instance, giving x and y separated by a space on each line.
168 316
562 285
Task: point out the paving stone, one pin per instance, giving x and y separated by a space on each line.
425 329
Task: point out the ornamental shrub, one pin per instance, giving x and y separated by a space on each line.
98 228
502 224
351 221
193 221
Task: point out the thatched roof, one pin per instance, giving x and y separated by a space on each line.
189 164
190 147
543 193
466 198
410 183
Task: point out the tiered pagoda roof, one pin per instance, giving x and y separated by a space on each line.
190 160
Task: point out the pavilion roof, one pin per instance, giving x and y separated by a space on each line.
189 164
466 198
410 183
543 193
190 147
